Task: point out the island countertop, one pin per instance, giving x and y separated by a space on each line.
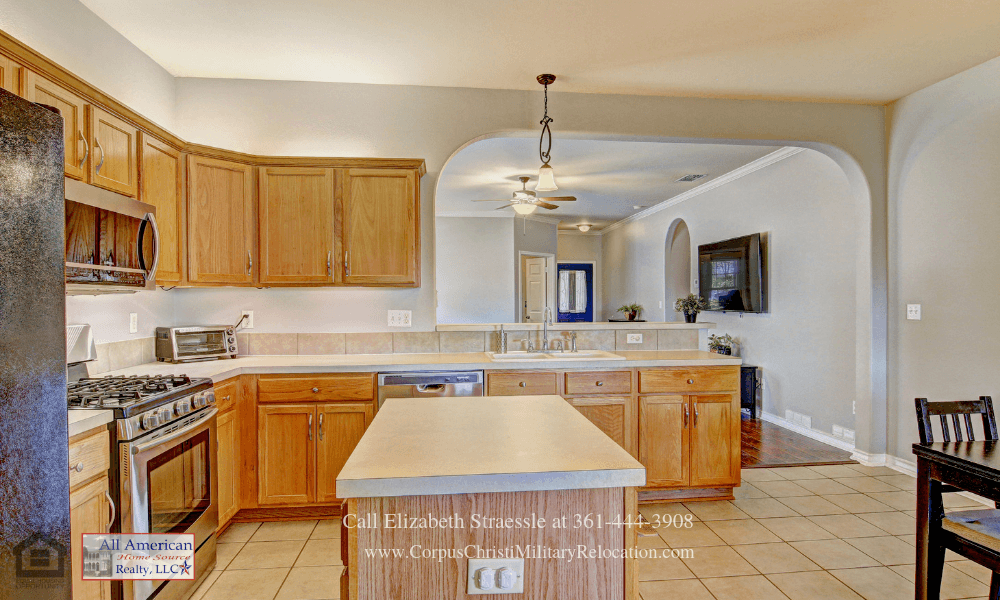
436 446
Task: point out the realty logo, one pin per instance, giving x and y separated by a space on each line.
185 568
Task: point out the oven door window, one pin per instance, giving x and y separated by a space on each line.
201 344
179 485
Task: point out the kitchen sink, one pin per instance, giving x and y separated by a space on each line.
520 355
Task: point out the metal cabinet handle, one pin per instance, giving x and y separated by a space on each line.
315 390
687 413
78 468
329 264
249 263
523 384
695 415
114 512
226 398
347 264
321 427
690 381
600 383
100 164
310 427
86 149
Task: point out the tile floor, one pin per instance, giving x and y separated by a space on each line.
793 533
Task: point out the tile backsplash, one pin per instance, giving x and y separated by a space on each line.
130 353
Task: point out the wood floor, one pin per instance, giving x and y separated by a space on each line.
767 445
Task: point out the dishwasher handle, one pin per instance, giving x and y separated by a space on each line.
429 388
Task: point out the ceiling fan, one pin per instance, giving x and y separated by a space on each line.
525 202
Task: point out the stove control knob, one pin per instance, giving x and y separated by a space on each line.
166 413
149 420
210 397
182 407
198 400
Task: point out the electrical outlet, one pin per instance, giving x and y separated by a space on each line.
849 435
495 576
133 323
400 318
633 338
854 407
806 421
661 303
790 416
248 321
913 312
838 431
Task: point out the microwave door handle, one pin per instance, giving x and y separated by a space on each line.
149 221
137 448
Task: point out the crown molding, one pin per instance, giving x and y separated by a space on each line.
751 167
475 214
578 232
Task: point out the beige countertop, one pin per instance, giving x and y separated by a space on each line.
630 325
81 421
220 370
436 446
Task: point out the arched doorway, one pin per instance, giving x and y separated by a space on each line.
677 262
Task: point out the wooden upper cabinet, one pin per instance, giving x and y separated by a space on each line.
286 454
715 440
296 208
220 221
113 162
161 179
72 108
381 227
664 427
11 76
339 429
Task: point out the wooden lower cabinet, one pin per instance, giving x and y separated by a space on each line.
89 512
339 429
663 440
302 447
228 435
609 414
715 440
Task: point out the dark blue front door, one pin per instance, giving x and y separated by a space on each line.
575 297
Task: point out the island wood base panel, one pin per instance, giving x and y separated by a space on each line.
685 495
544 578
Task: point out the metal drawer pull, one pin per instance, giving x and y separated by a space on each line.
687 414
315 390
329 264
249 263
523 384
97 143
347 266
86 150
600 383
695 415
310 427
321 427
690 381
78 468
114 512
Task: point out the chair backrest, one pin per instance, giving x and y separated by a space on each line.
965 408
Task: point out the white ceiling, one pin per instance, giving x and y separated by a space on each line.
608 178
843 50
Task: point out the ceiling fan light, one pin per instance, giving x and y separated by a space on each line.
546 179
524 209
584 227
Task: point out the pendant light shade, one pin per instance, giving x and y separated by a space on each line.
524 209
584 227
546 179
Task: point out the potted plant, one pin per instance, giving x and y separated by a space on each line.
690 305
721 344
632 311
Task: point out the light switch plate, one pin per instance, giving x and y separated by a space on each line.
633 338
913 312
133 323
514 564
248 321
400 318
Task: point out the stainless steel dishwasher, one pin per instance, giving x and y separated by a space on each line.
429 384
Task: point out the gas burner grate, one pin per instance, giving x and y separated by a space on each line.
121 390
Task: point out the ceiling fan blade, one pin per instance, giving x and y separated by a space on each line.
494 200
546 205
559 199
504 206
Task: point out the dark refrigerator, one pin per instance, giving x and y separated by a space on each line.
34 472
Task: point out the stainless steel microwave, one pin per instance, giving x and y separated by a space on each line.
112 244
183 344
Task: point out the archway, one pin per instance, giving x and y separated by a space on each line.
677 263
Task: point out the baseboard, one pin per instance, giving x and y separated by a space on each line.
815 434
905 466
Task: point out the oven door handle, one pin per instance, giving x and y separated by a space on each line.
183 431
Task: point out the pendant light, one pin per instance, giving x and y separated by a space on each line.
524 209
546 175
584 227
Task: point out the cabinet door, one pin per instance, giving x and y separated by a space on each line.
10 75
220 221
72 109
663 439
114 145
296 225
609 414
90 512
340 429
715 440
286 454
227 430
162 185
381 227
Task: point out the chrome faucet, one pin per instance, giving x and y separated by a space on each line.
546 319
572 339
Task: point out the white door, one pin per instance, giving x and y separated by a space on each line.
535 289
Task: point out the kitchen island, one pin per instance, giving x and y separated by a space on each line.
443 480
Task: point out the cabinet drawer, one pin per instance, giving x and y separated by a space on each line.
693 379
522 384
227 394
315 388
89 457
598 382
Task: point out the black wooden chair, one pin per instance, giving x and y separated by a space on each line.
974 534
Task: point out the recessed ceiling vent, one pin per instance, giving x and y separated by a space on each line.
691 177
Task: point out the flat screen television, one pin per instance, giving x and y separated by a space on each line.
732 275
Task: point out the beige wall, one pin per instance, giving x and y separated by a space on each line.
944 189
475 270
805 342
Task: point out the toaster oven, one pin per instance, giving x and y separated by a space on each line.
182 344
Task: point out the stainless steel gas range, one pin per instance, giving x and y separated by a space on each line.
163 457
